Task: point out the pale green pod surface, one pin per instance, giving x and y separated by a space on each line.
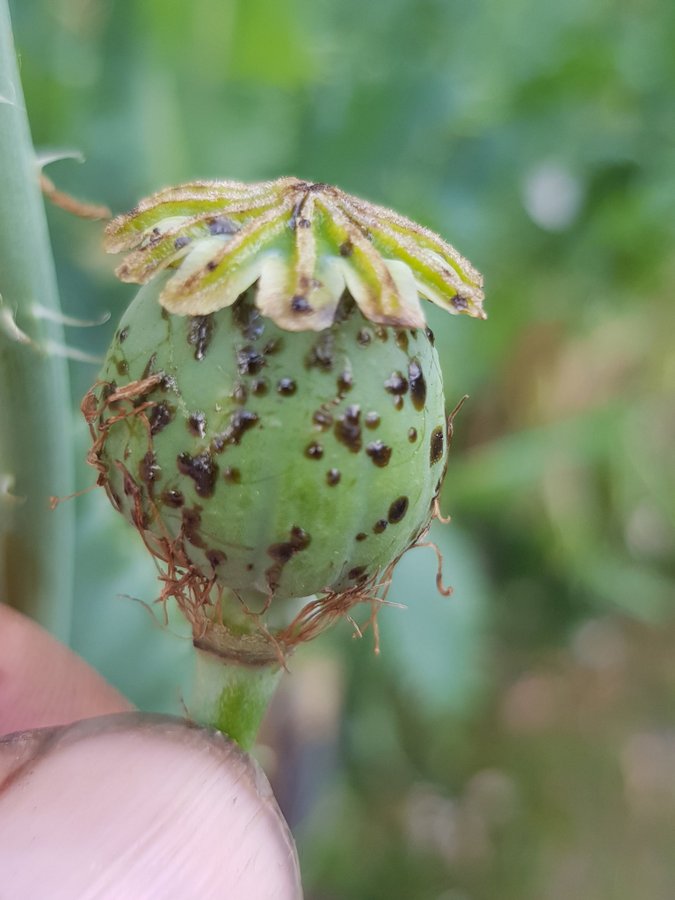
284 463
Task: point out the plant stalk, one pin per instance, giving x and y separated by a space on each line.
230 696
36 452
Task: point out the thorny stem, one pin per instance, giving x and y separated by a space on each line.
36 454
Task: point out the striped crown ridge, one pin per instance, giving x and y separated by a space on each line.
303 243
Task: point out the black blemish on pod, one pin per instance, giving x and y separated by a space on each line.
364 337
300 305
260 387
247 318
322 419
240 422
361 536
333 476
286 387
397 510
150 366
314 450
201 469
159 416
192 520
196 424
221 225
249 360
232 475
418 384
181 242
321 354
379 453
430 336
239 393
348 430
149 470
357 573
122 367
123 334
173 498
215 558
401 339
382 333
436 445
412 435
398 402
396 384
380 525
200 332
346 248
282 553
345 382
372 419
274 345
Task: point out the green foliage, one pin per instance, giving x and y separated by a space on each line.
538 138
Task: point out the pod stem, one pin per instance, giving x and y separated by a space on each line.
36 452
230 696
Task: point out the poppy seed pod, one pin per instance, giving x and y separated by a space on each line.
270 415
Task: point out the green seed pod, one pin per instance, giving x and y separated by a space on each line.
271 417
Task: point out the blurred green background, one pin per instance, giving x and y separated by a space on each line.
518 739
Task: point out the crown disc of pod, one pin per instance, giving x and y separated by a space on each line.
270 414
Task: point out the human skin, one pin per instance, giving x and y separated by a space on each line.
100 801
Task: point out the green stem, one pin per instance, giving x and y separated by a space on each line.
36 454
230 696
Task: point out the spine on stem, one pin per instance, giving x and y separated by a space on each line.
36 454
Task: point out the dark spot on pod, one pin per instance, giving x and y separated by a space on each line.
379 453
460 302
418 384
232 475
314 450
123 334
159 416
240 422
413 333
398 402
357 573
149 366
300 305
430 336
346 248
239 393
247 318
286 387
249 360
382 333
345 382
164 313
148 468
436 445
221 225
380 525
412 435
200 332
345 308
283 552
364 337
168 383
322 419
333 476
215 558
401 339
192 519
196 424
249 567
108 389
172 497
122 367
211 265
181 242
348 430
372 419
397 510
201 469
361 536
321 354
273 346
260 387
396 384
